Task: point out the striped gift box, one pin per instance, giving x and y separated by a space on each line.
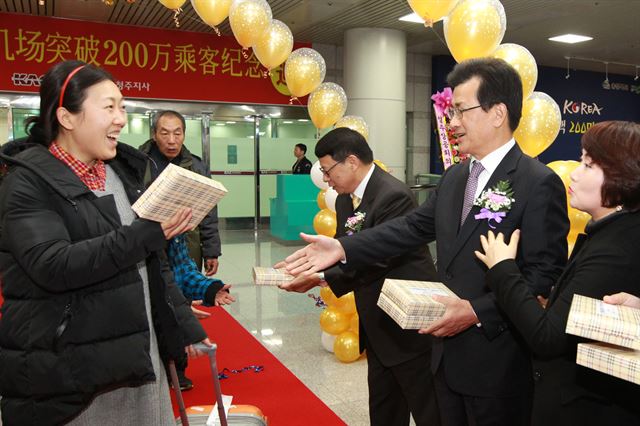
409 303
270 276
176 188
594 319
623 363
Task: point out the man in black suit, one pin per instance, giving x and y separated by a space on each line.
302 166
482 370
398 375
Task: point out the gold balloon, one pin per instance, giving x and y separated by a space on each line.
539 125
172 4
577 219
333 321
432 10
327 104
381 165
355 123
474 28
327 296
347 346
249 20
304 70
354 323
322 204
346 304
523 61
564 169
275 45
212 12
324 223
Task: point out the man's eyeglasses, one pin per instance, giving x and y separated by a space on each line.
326 172
453 112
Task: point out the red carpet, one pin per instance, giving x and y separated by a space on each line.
281 396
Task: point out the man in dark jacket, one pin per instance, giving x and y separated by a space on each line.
302 166
167 146
399 378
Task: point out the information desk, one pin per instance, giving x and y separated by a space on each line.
294 207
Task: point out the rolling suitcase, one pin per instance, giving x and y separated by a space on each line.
248 415
245 415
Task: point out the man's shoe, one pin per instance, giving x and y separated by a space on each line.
185 383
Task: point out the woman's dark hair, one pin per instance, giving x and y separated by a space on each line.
44 128
343 142
615 147
500 83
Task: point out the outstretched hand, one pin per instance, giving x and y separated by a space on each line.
303 282
319 254
496 250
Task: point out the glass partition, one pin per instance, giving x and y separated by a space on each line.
233 158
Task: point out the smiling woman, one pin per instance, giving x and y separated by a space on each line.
81 274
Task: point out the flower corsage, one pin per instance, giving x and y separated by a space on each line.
354 223
495 202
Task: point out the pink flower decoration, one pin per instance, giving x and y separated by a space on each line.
442 100
496 198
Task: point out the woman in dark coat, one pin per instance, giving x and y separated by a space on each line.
605 260
90 310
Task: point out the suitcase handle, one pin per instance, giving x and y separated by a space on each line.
206 349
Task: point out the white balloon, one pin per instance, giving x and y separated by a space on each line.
316 176
327 341
330 199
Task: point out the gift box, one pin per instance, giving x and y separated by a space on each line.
623 363
270 276
409 303
176 188
594 319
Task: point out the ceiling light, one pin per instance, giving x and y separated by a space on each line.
287 122
220 124
570 38
230 122
303 120
412 17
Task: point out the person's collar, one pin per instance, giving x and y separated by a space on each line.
594 226
491 161
359 192
94 176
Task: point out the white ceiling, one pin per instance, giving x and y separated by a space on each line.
612 23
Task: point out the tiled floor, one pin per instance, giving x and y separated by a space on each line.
288 325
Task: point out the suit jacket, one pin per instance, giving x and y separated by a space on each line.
385 198
605 261
301 167
490 360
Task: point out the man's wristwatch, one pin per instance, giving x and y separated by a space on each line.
321 276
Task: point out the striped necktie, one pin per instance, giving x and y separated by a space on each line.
470 190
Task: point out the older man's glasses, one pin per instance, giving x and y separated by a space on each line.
326 172
453 112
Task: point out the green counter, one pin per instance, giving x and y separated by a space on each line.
294 207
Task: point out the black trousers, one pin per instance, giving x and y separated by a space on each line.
396 391
465 410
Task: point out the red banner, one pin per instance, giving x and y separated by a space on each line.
146 62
